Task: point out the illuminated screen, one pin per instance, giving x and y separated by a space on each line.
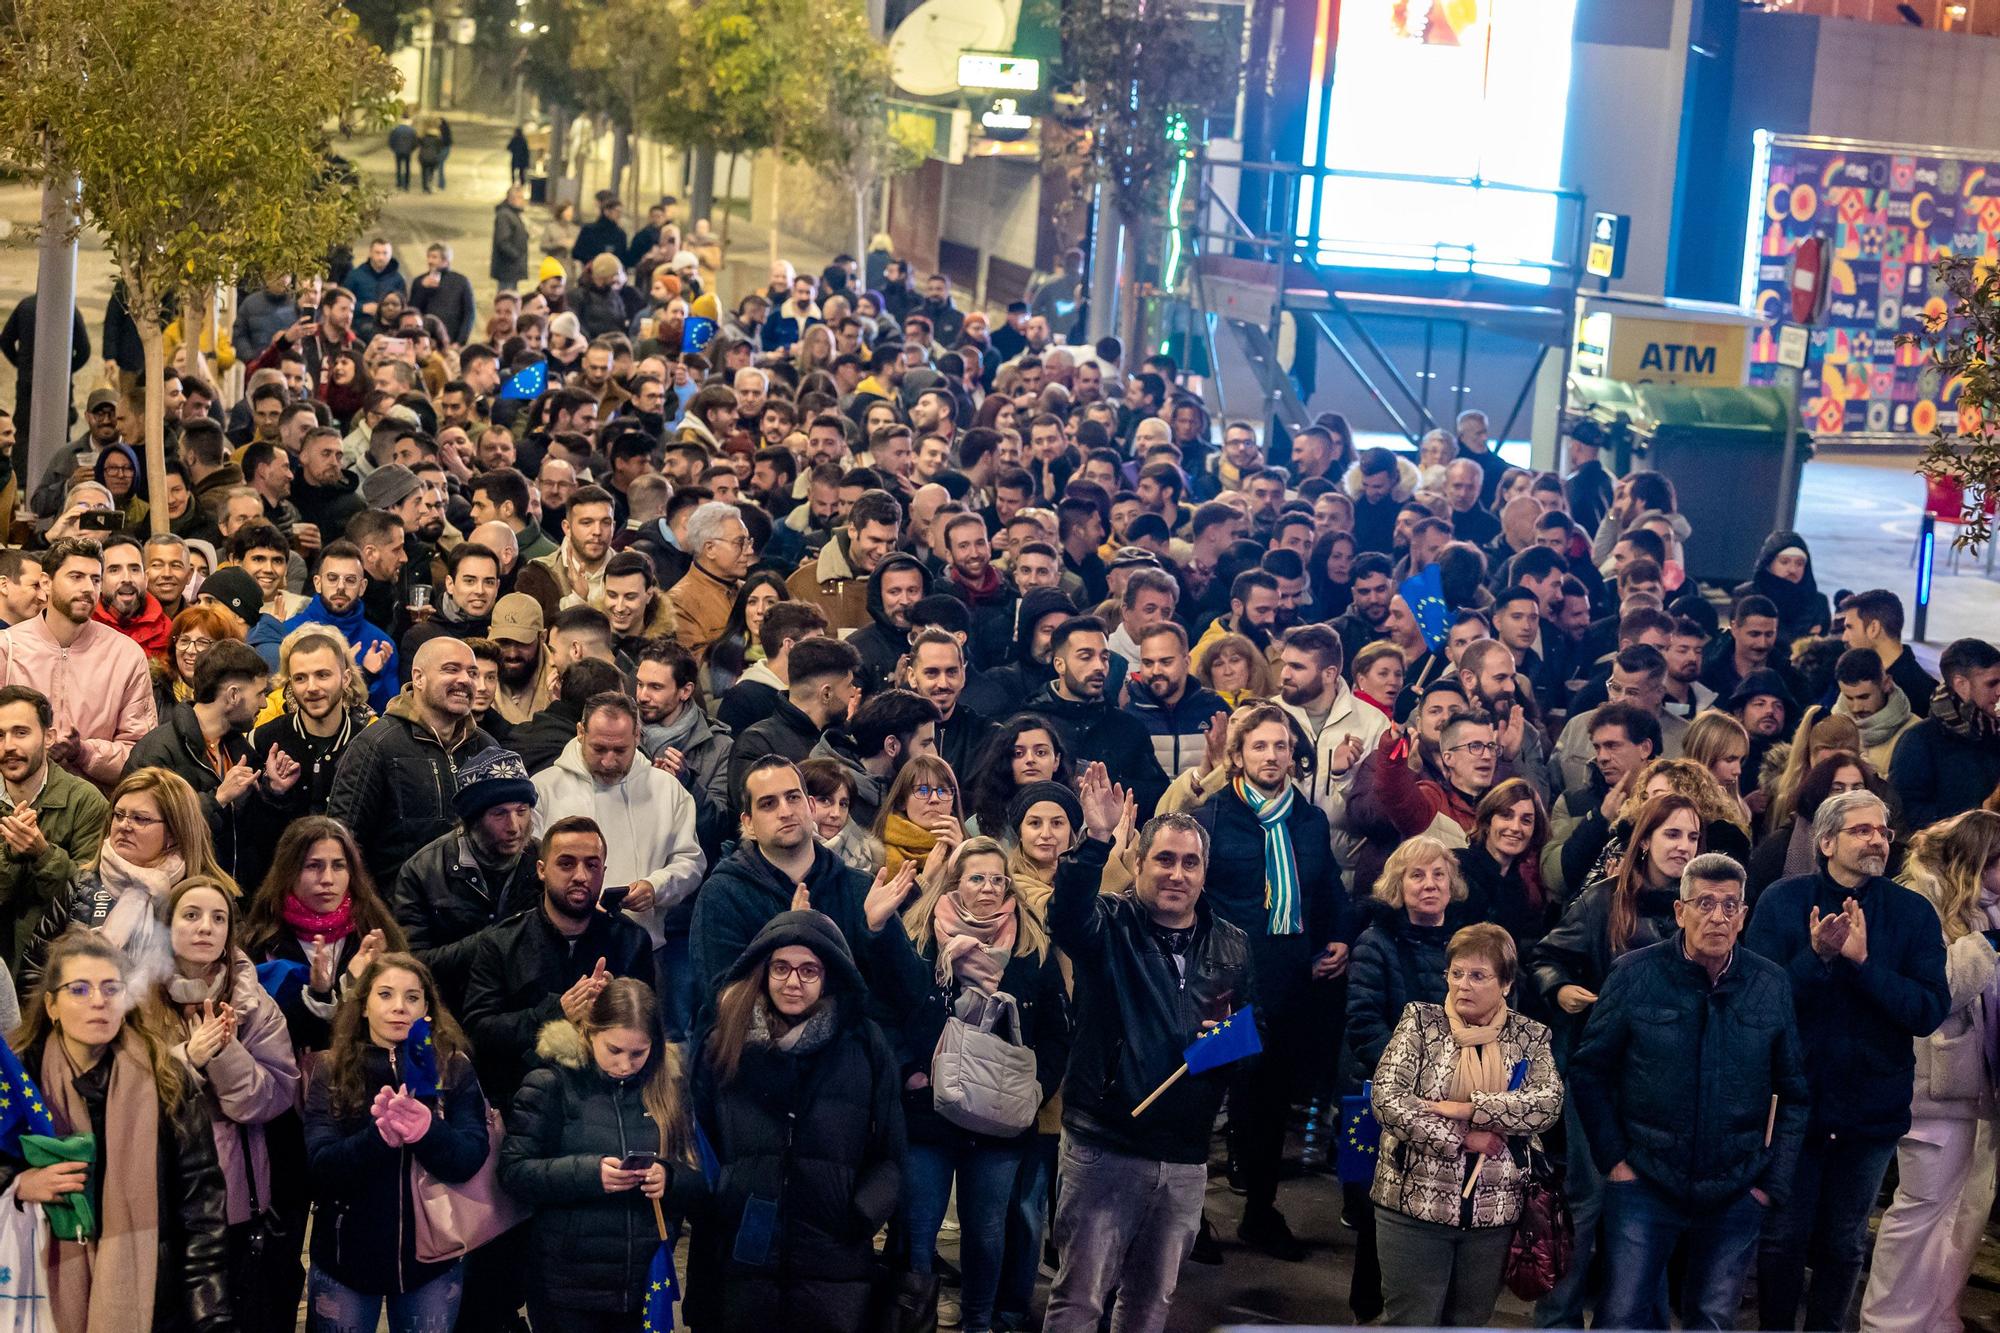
1438 89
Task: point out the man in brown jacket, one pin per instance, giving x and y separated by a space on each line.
837 582
718 545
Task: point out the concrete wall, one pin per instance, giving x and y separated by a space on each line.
1627 74
1905 85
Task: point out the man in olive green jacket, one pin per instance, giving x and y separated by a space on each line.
50 820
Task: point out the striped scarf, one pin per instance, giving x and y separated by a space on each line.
1281 872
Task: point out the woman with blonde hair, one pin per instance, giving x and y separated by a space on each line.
1718 742
595 1161
814 350
103 1055
975 934
1378 671
1720 813
1458 1085
154 838
1946 1161
922 811
1232 667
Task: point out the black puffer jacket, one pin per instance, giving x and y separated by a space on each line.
1037 987
592 1249
1136 1013
1506 899
1002 691
364 1220
1395 963
816 1134
1099 730
1578 951
442 901
395 783
1675 1076
190 1293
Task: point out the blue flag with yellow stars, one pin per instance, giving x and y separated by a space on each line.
528 384
282 978
663 1291
1424 591
21 1108
1234 1038
696 332
420 1060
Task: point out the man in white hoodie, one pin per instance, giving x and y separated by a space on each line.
646 814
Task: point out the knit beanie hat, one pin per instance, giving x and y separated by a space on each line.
232 588
491 777
551 268
388 486
1036 792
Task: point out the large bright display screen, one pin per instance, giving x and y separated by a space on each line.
1436 94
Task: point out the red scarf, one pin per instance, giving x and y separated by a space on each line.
332 927
986 590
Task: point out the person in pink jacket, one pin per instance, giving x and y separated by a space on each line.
93 676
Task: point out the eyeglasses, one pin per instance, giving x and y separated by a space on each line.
1709 905
130 820
83 990
195 644
809 974
1882 831
980 880
924 791
1470 976
1478 747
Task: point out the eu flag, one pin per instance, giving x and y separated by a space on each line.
420 1060
21 1108
1424 591
711 1165
663 1291
528 383
696 331
282 978
1234 1038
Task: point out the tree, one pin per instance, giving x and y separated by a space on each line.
718 90
619 48
192 179
1963 338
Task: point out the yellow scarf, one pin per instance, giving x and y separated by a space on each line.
906 840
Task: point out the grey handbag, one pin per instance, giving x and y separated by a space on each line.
982 1076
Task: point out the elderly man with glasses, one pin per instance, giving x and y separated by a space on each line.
1690 1087
1866 961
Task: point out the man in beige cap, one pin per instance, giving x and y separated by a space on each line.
517 631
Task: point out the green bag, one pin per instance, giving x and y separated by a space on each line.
70 1217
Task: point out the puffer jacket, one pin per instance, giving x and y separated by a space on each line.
1421 1168
1674 1076
816 1131
364 1232
592 1249
86 902
1179 730
1578 951
1136 1012
247 1084
395 783
442 901
1955 1079
1395 963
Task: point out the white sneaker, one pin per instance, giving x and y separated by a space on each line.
949 1312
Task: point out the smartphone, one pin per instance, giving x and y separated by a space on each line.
308 313
99 520
613 897
396 347
639 1161
1992 936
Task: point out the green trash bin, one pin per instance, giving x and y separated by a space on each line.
1727 451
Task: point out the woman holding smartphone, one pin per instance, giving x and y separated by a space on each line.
598 1140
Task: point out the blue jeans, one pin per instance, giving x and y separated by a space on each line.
1824 1223
1583 1188
985 1173
677 988
1642 1228
431 1308
1027 1220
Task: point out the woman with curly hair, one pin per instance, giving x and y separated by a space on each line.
1721 817
1026 749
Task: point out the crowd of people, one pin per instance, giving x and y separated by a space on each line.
806 771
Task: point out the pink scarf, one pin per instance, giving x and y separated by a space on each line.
305 923
974 950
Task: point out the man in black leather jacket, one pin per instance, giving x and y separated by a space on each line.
1154 967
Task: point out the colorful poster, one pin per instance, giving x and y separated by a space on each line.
1887 212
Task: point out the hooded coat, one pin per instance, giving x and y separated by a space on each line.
395 783
1098 730
593 1250
811 1138
1005 691
1802 607
881 643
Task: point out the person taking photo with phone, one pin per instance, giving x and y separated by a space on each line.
600 1145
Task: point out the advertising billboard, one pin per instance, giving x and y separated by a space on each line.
1885 212
1438 95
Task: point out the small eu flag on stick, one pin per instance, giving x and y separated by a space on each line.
528 384
1424 591
1234 1038
663 1290
420 1060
